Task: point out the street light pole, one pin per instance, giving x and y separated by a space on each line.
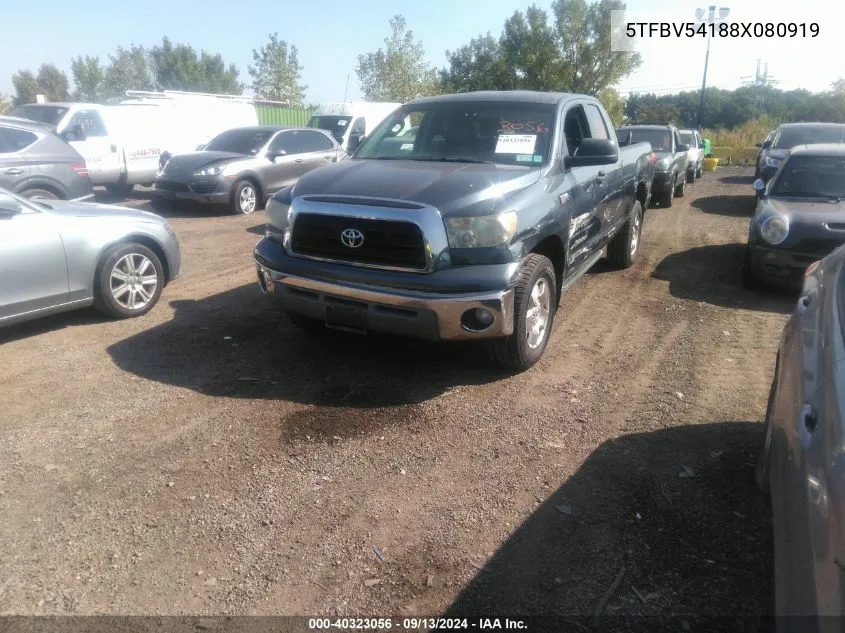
704 79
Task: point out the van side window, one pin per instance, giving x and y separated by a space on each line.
91 122
598 129
358 127
14 140
575 128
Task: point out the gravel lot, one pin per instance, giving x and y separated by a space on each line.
208 458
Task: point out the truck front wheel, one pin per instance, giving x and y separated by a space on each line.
534 312
668 194
622 251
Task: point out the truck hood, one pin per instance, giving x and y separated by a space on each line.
67 209
453 188
186 164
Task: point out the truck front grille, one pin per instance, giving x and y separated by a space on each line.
388 243
204 187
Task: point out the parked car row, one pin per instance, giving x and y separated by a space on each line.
674 166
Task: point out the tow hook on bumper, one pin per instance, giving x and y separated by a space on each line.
424 315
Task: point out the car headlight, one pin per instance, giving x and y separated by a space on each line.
774 229
211 170
483 231
771 161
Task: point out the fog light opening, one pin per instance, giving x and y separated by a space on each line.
477 319
265 280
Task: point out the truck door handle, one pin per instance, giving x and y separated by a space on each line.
14 171
807 421
327 157
298 160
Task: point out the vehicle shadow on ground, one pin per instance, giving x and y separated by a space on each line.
737 180
676 508
731 206
236 344
258 229
712 274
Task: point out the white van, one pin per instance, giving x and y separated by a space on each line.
350 121
122 143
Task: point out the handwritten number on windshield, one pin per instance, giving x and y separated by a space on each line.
528 126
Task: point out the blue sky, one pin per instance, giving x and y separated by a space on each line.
330 35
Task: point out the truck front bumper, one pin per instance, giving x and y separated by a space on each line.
351 305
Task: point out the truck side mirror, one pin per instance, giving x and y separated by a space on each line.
683 147
593 151
759 187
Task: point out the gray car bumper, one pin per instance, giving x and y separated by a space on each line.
426 315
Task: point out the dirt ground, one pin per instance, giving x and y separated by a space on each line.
208 458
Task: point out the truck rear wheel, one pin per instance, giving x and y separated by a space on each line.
681 187
622 251
534 312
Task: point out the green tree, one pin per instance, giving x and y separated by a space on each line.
5 103
26 87
53 83
398 72
128 69
88 77
475 66
570 53
277 74
179 67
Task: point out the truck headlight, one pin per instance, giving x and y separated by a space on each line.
771 161
483 231
774 229
277 212
211 170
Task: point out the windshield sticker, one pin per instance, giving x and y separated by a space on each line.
341 122
524 158
538 158
527 126
406 147
516 143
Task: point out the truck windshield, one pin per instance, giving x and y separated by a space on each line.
789 137
335 125
813 176
507 133
48 114
661 140
687 138
244 141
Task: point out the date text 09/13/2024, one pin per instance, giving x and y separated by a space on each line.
414 624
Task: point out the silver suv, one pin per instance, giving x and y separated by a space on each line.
37 164
243 167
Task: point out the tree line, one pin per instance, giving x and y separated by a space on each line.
566 49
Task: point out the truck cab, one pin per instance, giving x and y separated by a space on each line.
350 122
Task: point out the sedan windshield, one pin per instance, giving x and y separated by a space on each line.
812 176
465 132
244 141
789 137
661 140
42 113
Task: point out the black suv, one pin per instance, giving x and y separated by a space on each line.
35 163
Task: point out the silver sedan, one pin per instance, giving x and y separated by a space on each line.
57 256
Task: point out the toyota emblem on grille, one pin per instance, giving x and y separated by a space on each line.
353 238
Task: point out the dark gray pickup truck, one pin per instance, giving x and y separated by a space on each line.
468 227
670 170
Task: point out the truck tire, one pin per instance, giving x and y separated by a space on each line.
534 312
699 172
681 188
120 298
691 176
667 195
762 470
622 251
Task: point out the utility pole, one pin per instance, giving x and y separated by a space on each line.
711 20
760 82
